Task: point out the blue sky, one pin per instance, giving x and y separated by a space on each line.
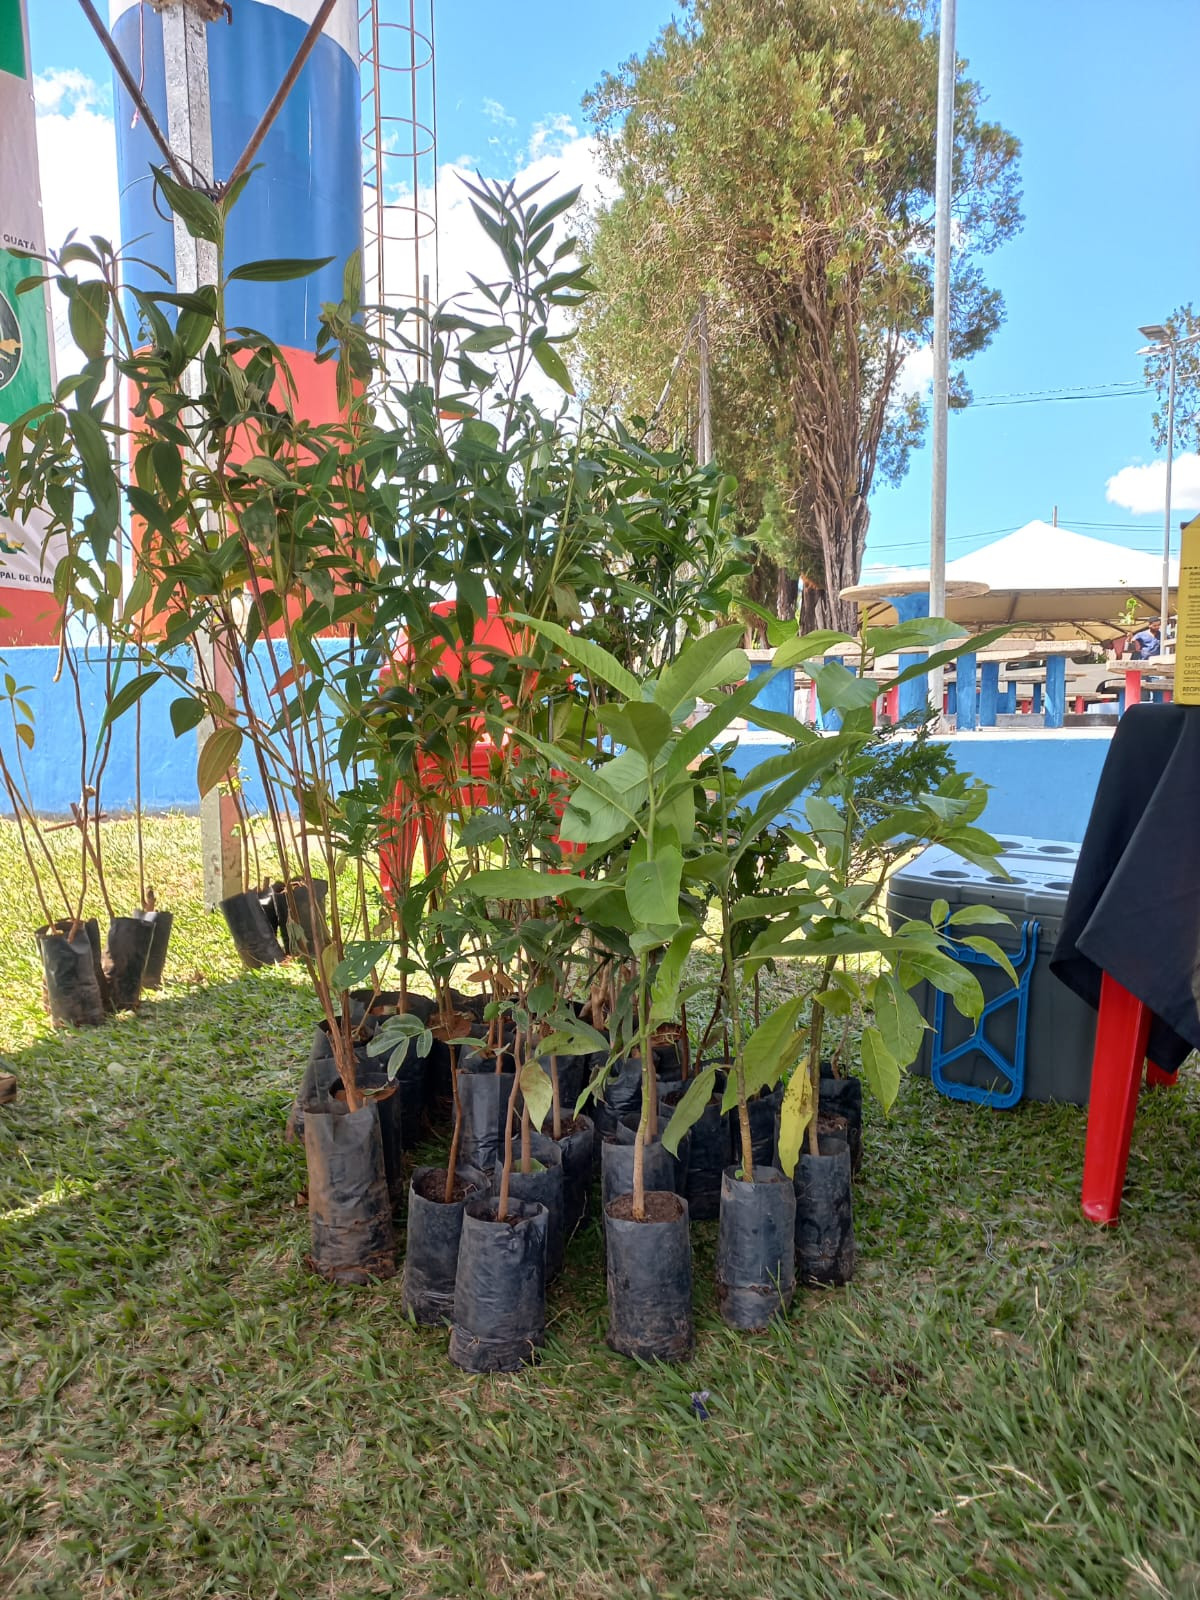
1102 95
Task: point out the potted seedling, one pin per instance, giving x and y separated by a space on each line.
842 860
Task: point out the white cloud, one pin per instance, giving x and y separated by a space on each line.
557 153
77 154
495 112
916 373
1143 489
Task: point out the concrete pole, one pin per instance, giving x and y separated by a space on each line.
1165 605
189 129
947 74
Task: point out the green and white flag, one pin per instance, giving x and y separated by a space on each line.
26 372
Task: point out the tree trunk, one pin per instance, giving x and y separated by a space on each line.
841 532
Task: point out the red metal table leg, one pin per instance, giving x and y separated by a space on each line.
1122 1029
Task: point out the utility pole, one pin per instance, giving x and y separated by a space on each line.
189 129
943 185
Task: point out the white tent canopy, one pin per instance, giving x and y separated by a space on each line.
1044 579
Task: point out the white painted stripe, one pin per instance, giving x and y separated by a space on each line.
342 26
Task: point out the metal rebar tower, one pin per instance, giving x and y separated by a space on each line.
399 121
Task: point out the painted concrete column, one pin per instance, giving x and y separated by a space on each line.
778 693
1056 690
965 670
989 693
914 695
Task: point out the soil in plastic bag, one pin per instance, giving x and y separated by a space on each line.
661 1170
71 972
756 1248
576 1145
124 960
710 1151
483 1095
825 1252
439 1085
431 1252
348 1204
649 1271
544 1188
252 934
843 1097
373 1082
764 1127
500 1289
312 927
622 1097
161 923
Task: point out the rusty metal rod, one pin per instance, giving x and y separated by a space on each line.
131 88
280 95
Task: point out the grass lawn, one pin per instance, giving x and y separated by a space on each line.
1003 1403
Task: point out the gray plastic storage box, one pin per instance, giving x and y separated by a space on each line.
1061 1029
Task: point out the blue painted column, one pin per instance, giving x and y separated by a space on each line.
914 695
777 693
989 693
1008 700
965 669
1037 698
1056 690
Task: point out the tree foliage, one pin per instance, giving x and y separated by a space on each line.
1181 324
777 156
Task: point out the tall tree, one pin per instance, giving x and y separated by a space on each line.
778 156
1181 325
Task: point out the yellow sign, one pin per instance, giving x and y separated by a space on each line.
1187 626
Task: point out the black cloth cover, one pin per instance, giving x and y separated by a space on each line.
1134 906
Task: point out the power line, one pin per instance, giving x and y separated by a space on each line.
1056 397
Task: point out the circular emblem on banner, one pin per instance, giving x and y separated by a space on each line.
10 343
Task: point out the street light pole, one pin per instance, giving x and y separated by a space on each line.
943 186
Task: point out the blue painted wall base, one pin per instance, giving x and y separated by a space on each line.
1042 784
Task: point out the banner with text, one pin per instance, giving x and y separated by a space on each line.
27 559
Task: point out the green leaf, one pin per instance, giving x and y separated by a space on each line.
357 961
640 724
898 1019
98 471
652 888
553 365
941 658
515 883
690 1109
88 317
588 655
946 974
127 695
920 633
769 1051
218 755
881 1068
186 714
939 910
538 1091
971 916
698 666
664 990
279 269
197 212
840 690
808 647
795 1114
989 947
